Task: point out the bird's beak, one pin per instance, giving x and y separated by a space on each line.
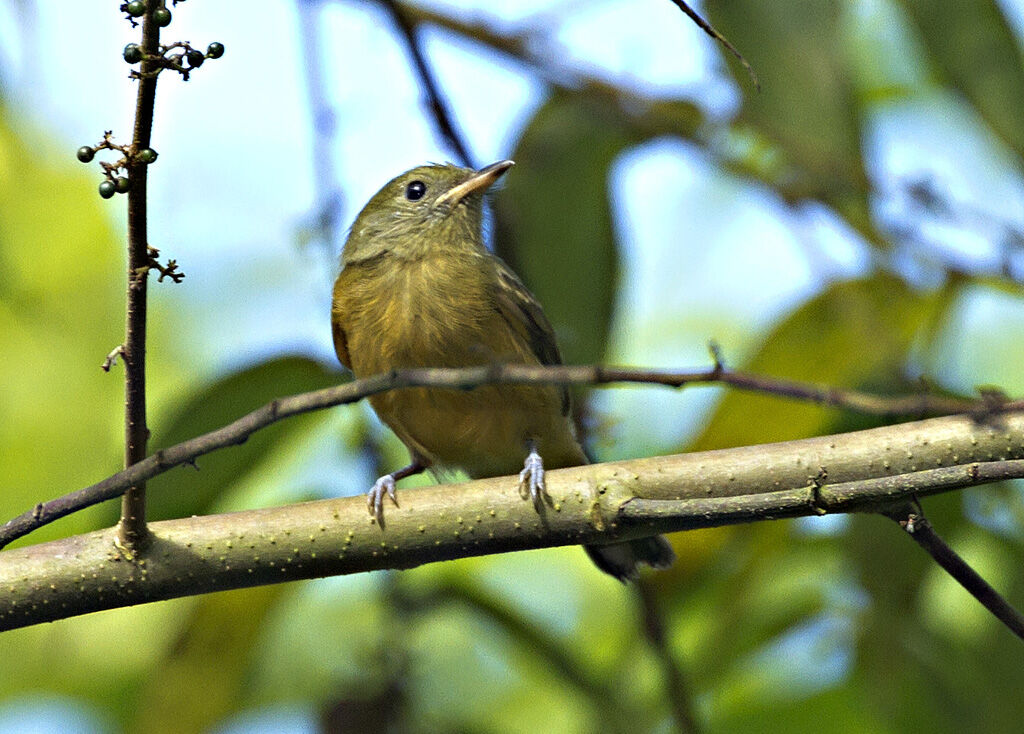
479 181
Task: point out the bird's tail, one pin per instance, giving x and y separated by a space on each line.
621 560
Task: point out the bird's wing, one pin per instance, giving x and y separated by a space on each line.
337 317
340 344
525 316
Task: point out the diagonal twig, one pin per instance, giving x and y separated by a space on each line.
438 107
920 529
709 29
467 378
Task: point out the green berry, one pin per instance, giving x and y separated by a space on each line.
122 184
85 153
136 8
195 59
215 50
107 189
146 155
132 53
162 17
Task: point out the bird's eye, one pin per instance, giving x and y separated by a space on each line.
415 190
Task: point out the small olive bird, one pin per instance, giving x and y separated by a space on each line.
418 288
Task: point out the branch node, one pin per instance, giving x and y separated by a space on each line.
170 270
716 354
992 396
816 482
111 358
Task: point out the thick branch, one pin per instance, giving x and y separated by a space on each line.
240 430
591 504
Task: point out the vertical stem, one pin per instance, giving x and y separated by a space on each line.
132 528
676 690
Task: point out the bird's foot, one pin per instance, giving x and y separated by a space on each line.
385 485
531 479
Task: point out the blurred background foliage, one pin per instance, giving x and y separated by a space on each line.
859 223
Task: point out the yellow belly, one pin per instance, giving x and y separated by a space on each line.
409 318
486 431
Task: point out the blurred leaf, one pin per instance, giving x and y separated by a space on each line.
853 334
839 711
183 492
61 312
201 678
97 658
806 106
554 224
975 51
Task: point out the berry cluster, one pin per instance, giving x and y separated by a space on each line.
113 183
137 8
184 60
133 54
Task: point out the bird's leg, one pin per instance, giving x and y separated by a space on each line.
531 478
385 485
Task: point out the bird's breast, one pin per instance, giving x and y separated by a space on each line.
433 312
436 313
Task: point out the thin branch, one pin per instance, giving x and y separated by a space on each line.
598 503
920 529
818 497
707 28
438 107
680 699
467 378
327 208
132 527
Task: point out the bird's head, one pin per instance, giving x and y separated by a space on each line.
425 209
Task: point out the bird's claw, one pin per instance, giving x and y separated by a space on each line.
531 479
385 485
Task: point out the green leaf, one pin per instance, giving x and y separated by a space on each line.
554 223
854 334
61 312
202 675
975 51
182 492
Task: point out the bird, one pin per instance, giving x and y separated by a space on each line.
419 288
